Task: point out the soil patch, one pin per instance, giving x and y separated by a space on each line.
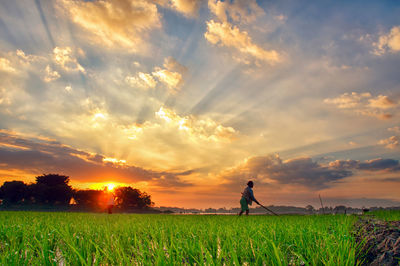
380 241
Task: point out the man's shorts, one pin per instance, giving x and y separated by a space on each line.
243 204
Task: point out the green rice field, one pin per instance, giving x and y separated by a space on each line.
40 238
393 215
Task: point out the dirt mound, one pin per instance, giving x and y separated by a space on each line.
380 241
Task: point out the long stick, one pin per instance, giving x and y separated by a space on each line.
269 210
323 211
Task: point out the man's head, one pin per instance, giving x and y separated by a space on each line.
250 184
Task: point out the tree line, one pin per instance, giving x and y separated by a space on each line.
54 190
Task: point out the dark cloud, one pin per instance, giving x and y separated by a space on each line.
271 170
391 179
301 171
380 164
389 165
40 155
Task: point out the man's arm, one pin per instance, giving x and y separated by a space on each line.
252 197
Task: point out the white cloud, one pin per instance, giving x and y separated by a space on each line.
68 88
365 104
225 34
388 42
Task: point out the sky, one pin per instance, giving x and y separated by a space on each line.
189 99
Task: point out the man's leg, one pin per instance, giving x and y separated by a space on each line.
247 212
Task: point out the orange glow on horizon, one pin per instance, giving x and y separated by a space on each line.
109 185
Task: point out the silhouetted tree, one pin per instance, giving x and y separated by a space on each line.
128 198
52 189
310 208
339 209
89 198
13 192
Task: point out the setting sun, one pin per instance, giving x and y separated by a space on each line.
110 187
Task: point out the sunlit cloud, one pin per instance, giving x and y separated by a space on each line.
141 80
187 7
5 65
116 23
64 57
395 129
226 35
171 75
389 42
365 104
51 75
37 156
205 129
238 10
391 142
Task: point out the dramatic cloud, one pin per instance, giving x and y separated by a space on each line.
115 23
389 165
273 171
300 171
224 34
388 42
237 10
365 104
41 155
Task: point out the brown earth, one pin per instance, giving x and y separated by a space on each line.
380 241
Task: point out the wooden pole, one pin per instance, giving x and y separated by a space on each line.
320 200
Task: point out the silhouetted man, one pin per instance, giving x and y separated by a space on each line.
247 198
